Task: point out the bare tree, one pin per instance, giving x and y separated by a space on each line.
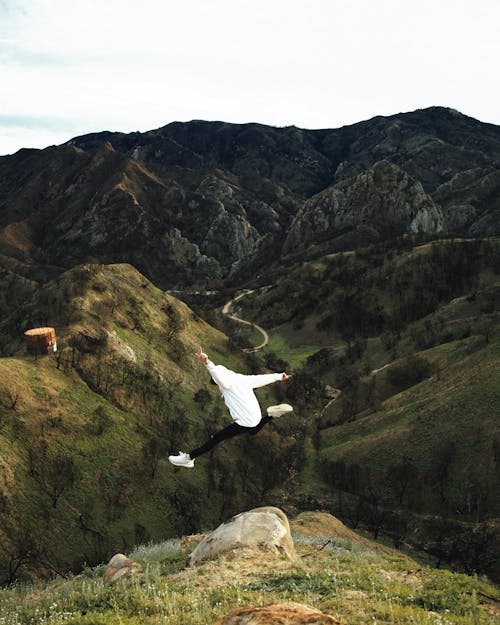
58 474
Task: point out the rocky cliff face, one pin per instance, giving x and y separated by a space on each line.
383 197
471 201
64 206
192 204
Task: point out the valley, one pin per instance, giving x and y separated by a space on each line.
364 260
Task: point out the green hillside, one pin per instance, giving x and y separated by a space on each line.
427 456
396 351
85 433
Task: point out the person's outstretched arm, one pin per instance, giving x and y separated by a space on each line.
266 378
220 375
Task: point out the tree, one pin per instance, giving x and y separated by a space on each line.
19 548
409 372
100 422
400 475
275 363
21 542
372 394
349 406
175 322
151 452
445 456
116 490
202 397
279 456
485 327
304 389
58 473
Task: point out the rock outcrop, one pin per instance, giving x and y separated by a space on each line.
261 527
471 201
384 198
119 566
278 614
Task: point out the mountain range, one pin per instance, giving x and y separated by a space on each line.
207 203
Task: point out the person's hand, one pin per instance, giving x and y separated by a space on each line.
202 357
285 376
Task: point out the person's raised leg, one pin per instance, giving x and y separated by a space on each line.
228 432
264 421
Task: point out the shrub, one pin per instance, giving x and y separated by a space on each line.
100 421
409 372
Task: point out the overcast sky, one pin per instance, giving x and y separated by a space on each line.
69 67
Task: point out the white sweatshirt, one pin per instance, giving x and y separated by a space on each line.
237 390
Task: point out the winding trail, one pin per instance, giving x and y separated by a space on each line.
227 311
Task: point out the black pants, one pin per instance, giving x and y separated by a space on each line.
228 432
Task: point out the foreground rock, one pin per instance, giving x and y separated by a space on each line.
278 614
120 565
260 527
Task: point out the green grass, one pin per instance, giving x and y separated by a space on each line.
34 382
296 356
357 586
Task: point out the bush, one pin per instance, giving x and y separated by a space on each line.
100 422
409 372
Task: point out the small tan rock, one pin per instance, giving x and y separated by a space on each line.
120 565
278 614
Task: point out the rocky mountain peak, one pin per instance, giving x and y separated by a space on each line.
383 197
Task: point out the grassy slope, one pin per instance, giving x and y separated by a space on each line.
459 405
57 405
115 497
453 413
352 579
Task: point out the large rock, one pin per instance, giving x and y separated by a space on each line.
260 527
278 614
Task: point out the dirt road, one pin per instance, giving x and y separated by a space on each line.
227 311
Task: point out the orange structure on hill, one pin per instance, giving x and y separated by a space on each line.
41 340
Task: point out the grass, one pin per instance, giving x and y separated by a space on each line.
348 581
294 355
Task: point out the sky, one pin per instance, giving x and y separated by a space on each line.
70 67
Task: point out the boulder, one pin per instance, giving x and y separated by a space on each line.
261 527
120 565
278 614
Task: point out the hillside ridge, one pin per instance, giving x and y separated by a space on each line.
337 576
212 202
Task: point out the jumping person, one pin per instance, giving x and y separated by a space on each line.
243 406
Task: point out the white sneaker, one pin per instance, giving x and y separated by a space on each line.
182 460
280 409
